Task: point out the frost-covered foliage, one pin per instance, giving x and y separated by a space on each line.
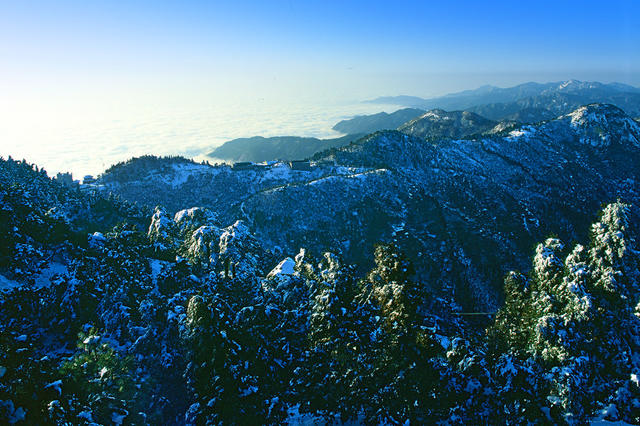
116 317
574 319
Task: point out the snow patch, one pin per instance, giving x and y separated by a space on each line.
7 284
522 132
57 386
279 171
156 268
286 267
44 278
182 173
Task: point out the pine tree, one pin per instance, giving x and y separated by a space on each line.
575 320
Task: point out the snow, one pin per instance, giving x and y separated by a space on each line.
43 279
237 231
96 239
565 84
91 340
118 418
103 371
286 267
156 268
250 390
433 114
16 416
508 368
180 216
610 411
7 284
443 340
57 386
358 175
86 415
298 419
582 116
182 173
278 171
522 132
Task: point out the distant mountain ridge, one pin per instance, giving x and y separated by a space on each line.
259 149
543 100
374 122
486 109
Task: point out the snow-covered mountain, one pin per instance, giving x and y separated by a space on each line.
466 211
221 304
540 101
440 124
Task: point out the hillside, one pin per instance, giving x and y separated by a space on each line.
440 124
259 149
465 211
193 316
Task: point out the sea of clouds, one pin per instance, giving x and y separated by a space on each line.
89 143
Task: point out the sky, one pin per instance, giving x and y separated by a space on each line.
311 48
67 64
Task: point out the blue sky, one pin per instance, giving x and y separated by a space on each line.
84 84
312 48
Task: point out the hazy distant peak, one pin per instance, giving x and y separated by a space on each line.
549 99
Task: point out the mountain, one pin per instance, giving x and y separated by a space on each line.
381 121
259 149
115 313
440 124
547 100
464 211
525 103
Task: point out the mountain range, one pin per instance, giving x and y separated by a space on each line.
499 101
527 103
464 210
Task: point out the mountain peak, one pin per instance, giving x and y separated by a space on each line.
603 124
439 123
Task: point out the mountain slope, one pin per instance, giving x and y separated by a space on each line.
441 124
465 211
177 321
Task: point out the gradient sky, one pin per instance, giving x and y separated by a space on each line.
76 73
311 48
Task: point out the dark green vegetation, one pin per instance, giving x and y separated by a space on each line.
259 149
173 319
